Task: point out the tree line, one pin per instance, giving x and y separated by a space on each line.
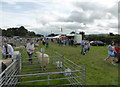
105 38
21 31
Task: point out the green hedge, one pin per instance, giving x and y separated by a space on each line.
107 39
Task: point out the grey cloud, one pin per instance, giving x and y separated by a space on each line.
113 25
87 6
81 17
41 21
75 26
77 16
114 10
95 10
40 31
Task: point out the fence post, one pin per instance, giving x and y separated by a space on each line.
48 79
20 62
63 63
83 76
42 61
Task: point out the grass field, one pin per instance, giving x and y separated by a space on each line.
98 71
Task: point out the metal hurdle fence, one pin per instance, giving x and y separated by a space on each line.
13 69
73 78
20 72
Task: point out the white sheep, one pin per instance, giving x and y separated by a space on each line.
22 47
59 64
36 45
16 48
43 59
67 72
6 63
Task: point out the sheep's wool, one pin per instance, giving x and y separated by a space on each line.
43 59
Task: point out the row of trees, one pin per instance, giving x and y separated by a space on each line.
21 31
105 38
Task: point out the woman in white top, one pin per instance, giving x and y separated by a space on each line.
30 49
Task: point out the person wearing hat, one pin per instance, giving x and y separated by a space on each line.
7 50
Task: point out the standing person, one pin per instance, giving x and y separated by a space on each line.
87 46
43 41
47 42
72 42
60 42
117 52
83 47
7 50
30 49
111 54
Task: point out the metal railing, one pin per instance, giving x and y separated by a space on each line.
13 69
20 72
76 77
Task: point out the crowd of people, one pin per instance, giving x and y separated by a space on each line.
29 43
64 41
113 49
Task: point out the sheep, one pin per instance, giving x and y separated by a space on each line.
67 72
36 45
20 47
43 59
4 64
59 64
16 48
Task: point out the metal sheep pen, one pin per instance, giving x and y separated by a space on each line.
32 74
13 69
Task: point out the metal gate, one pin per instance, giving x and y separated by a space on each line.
6 77
55 73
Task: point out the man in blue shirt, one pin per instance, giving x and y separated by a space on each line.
83 46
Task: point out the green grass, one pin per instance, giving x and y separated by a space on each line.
98 71
25 71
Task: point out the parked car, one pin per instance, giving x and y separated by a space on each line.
97 43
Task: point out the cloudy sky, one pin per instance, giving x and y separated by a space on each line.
46 16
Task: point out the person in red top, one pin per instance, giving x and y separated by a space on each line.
117 52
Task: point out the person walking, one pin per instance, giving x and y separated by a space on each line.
43 41
30 50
